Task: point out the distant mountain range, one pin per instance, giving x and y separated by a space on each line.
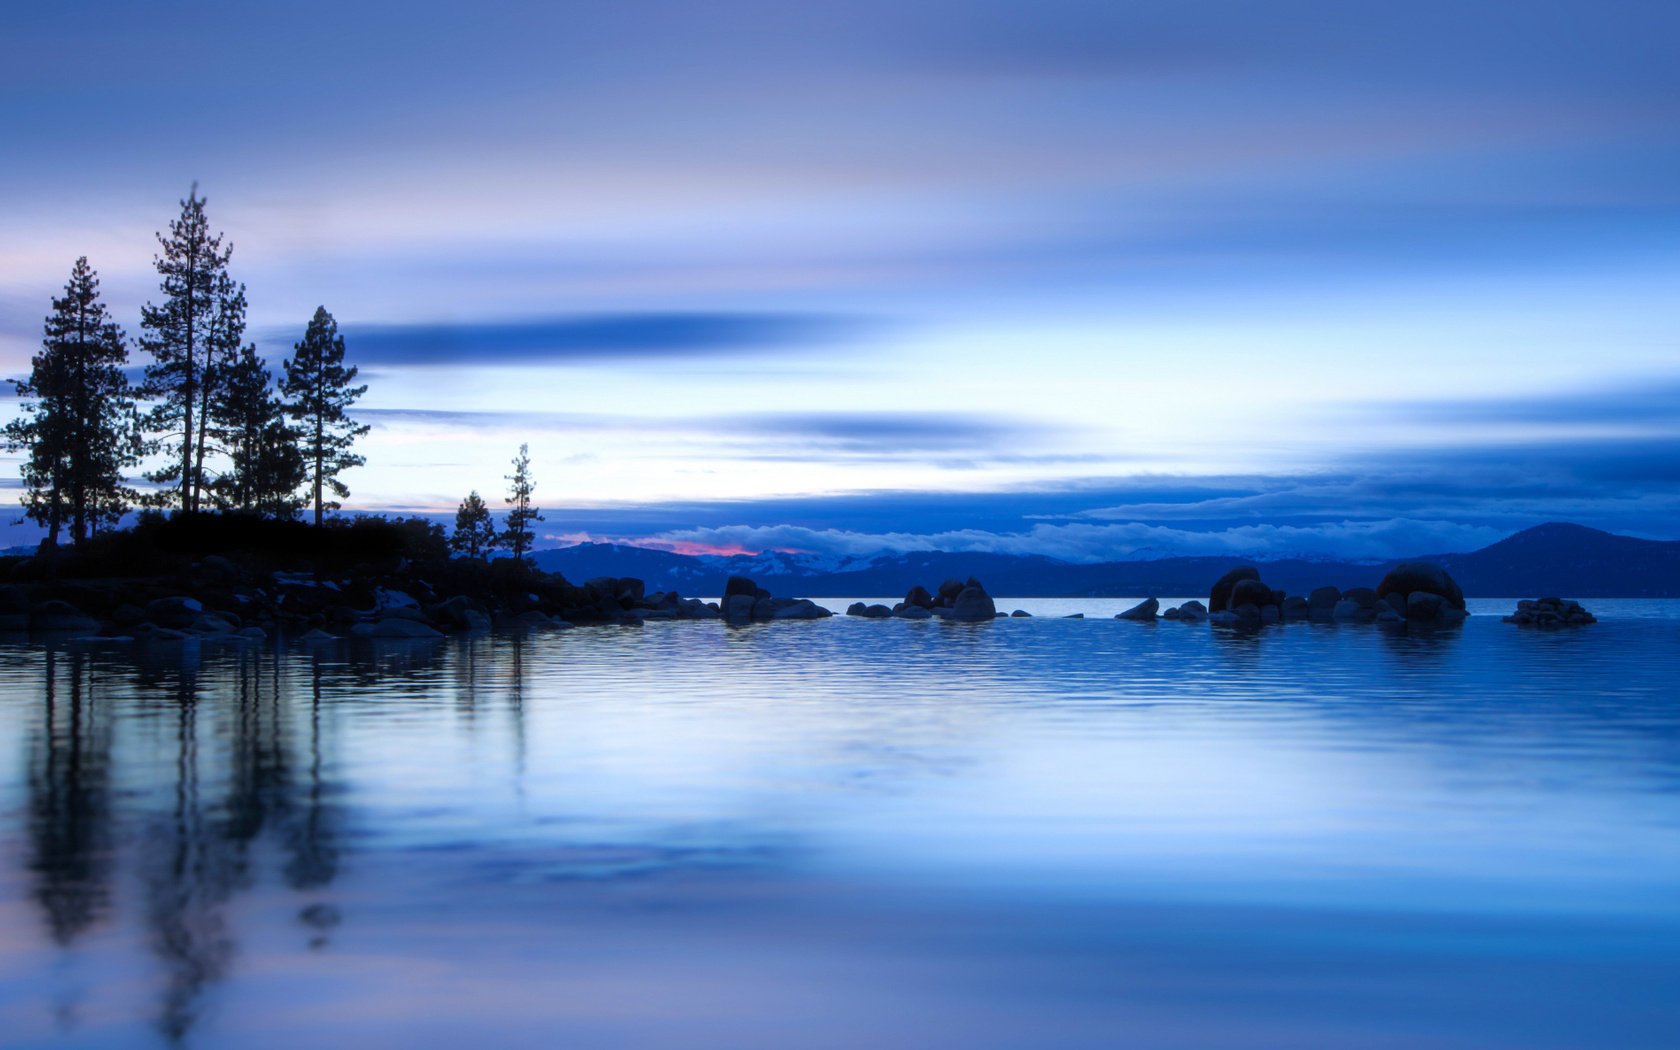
1572 561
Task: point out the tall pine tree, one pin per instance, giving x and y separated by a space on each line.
189 338
519 535
318 391
79 423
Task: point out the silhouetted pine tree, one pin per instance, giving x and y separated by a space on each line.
199 326
317 386
475 532
79 423
519 536
266 467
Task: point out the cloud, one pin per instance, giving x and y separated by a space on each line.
586 338
1653 403
1088 544
797 437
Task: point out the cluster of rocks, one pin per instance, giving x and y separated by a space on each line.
964 600
1550 612
745 602
1412 592
1149 610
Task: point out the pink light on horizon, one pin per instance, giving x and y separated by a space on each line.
686 547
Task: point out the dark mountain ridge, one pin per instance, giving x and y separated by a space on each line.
1558 558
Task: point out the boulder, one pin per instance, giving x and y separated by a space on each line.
1424 605
875 612
1295 609
178 612
801 609
971 603
738 607
741 586
948 592
1143 611
1324 598
905 611
1411 576
454 612
386 599
1364 597
1224 618
918 595
1269 614
1349 610
856 609
1021 614
1074 616
1250 592
1192 612
1219 599
61 616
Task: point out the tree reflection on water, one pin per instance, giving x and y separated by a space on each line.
237 780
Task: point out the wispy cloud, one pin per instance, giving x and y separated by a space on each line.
589 338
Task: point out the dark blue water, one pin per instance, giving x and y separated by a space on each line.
1027 833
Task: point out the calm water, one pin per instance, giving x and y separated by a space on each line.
846 834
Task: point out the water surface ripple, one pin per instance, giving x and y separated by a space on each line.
1028 833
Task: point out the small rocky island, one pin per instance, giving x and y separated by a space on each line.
1551 612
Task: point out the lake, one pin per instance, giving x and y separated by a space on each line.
1033 833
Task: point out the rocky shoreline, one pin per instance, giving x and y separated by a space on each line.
219 598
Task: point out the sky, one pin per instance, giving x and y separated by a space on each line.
1091 280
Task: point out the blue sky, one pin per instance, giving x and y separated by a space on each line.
1090 279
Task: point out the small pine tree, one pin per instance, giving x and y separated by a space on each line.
81 430
265 467
519 536
317 386
475 532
